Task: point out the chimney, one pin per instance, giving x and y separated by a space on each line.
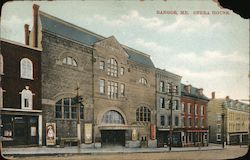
26 34
35 25
213 95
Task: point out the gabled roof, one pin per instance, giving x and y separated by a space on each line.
193 93
81 35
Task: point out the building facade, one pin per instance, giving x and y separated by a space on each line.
20 92
116 83
168 93
194 105
230 116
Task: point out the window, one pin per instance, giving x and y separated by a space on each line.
176 121
168 104
218 137
175 105
143 114
26 98
162 102
70 61
122 71
162 120
112 90
102 65
182 121
112 117
1 97
196 109
1 64
169 87
102 86
26 67
202 110
196 122
189 108
123 89
176 90
162 86
112 67
202 122
182 107
143 81
189 122
66 108
218 128
169 120
218 117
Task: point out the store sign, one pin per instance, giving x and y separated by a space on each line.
152 131
88 132
134 135
50 134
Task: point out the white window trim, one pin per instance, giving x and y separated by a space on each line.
1 64
217 137
26 94
27 72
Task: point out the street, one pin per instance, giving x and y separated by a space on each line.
227 153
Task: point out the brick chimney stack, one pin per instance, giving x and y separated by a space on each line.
35 25
26 34
213 95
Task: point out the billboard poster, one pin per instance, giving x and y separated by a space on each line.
152 131
50 134
88 133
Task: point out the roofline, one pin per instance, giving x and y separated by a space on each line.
70 24
20 44
172 74
139 52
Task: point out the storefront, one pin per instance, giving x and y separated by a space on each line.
21 129
163 137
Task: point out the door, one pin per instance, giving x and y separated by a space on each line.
20 131
113 138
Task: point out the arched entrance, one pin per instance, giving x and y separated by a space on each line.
112 134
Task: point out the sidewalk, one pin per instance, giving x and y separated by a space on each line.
75 150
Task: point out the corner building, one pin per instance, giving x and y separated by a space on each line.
117 84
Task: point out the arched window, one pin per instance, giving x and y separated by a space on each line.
26 67
70 61
66 108
1 64
26 98
112 117
143 114
112 67
143 81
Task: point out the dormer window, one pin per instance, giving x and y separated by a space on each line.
26 68
69 61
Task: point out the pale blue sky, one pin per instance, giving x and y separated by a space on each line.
208 51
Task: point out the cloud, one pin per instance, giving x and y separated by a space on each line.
152 46
180 23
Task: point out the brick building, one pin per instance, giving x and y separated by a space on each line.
117 84
194 116
164 81
235 124
20 92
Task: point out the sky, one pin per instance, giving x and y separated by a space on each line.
208 51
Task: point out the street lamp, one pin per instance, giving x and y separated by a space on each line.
78 103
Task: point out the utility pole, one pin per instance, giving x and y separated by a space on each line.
171 115
78 103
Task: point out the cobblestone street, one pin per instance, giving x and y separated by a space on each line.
227 153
